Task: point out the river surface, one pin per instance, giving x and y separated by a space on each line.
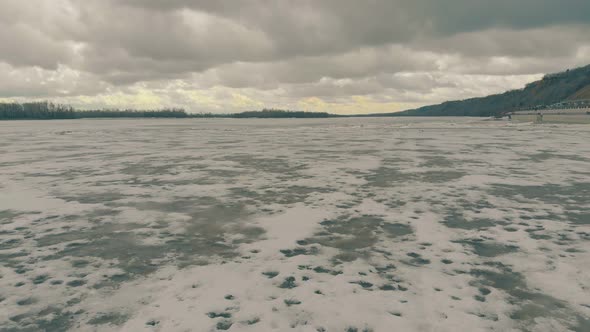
356 224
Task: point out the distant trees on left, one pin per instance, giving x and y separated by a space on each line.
47 110
37 110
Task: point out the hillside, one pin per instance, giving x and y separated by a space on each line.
553 88
583 93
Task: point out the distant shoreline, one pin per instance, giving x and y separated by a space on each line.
566 89
250 117
50 111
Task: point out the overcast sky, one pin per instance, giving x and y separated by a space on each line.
340 56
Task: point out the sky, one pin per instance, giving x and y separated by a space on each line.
338 56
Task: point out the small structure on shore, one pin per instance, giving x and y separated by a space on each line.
565 112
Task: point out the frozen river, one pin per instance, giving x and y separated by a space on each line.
357 224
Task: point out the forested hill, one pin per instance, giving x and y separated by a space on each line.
553 88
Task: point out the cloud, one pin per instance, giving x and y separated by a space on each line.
226 56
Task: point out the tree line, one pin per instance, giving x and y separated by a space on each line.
39 110
47 110
276 113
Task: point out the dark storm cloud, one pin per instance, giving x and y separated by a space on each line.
291 46
444 16
373 22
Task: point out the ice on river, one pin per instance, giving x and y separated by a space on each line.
358 224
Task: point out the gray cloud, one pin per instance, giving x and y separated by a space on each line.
279 51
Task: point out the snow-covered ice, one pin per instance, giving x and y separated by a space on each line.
356 224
